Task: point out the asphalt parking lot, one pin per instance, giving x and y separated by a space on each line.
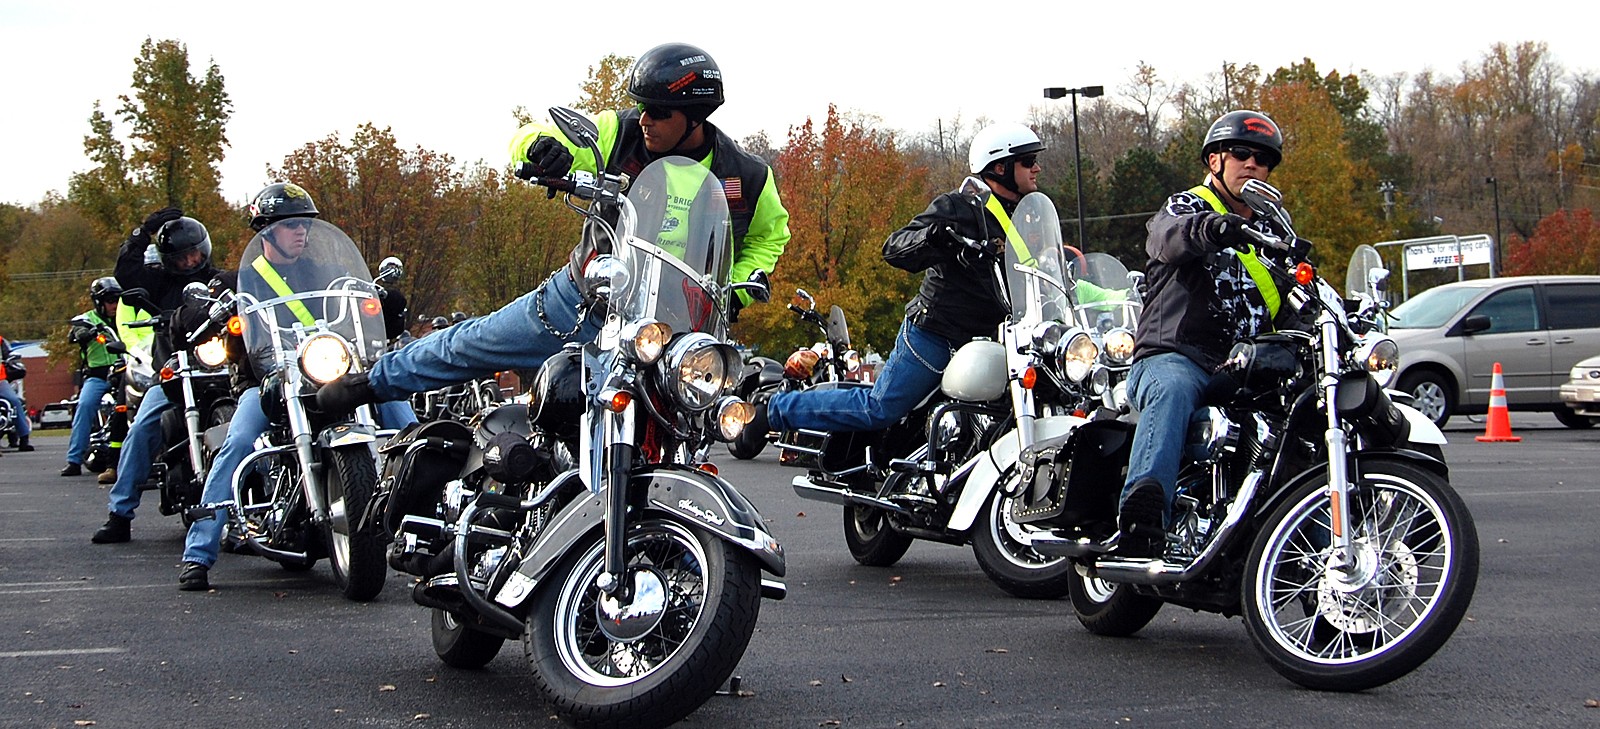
98 635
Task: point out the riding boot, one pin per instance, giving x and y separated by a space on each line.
108 476
115 531
194 577
23 446
72 469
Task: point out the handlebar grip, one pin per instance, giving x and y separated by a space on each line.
142 323
498 501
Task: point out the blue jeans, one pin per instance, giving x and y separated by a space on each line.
249 423
911 373
86 417
138 450
511 338
1164 389
24 426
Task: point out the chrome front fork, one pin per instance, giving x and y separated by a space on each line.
1337 443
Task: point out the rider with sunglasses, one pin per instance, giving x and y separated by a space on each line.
958 301
676 86
1207 290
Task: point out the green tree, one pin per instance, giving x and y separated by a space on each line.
1140 184
846 187
607 85
49 270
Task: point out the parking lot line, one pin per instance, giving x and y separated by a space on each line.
62 652
109 588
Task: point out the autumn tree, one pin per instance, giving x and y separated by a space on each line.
1566 241
392 202
846 188
49 269
176 129
607 85
516 238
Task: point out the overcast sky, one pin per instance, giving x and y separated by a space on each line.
445 76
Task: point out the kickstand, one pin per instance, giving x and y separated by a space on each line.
732 689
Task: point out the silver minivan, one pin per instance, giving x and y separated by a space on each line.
1536 327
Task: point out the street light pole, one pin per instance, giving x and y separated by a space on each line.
1499 243
1088 92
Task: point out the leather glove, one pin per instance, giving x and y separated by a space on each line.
394 312
944 235
155 220
1227 231
549 158
345 394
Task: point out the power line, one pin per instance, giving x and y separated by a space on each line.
60 275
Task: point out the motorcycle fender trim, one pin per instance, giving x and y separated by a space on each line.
1423 430
715 505
577 519
1000 458
1320 469
345 434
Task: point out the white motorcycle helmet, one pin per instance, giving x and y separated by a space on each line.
999 141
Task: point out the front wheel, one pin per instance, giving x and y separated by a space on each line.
1567 417
872 541
1347 624
655 659
356 555
462 646
1004 551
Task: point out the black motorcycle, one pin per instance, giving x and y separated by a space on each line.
634 578
1309 501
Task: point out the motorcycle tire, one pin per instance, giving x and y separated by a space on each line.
1108 608
748 445
461 646
1002 551
356 555
1416 567
870 538
670 656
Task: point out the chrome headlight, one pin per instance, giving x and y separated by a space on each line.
1380 356
1119 346
852 360
732 415
1047 336
324 358
644 341
1076 358
212 353
697 369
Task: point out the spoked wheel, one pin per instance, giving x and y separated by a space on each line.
1348 624
652 661
870 538
462 646
356 555
1004 551
1109 608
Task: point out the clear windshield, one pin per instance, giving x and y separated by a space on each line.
1432 308
1033 263
300 277
677 266
1105 298
1358 277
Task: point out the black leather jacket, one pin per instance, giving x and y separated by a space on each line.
957 301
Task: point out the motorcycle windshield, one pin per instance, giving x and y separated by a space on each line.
1105 298
678 259
1358 277
302 277
1033 261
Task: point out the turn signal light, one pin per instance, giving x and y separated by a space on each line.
1304 274
619 401
235 326
1029 376
710 468
167 374
371 307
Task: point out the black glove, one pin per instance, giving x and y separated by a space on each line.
549 158
161 217
1227 231
943 235
345 394
394 312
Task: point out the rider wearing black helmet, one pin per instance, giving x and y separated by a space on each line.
676 87
279 201
1207 290
184 247
90 331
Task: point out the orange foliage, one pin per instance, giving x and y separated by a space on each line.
1566 241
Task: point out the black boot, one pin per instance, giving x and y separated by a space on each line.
72 469
1142 521
345 394
194 577
114 532
23 446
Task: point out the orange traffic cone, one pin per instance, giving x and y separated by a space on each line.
1499 427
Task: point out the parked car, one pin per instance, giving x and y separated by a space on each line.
56 415
1582 391
1536 327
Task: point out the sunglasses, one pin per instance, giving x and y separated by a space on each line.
1265 157
297 223
655 111
1028 160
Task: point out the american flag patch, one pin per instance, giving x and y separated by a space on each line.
733 190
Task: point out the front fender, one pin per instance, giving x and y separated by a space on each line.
1423 430
693 496
345 434
1270 503
1000 458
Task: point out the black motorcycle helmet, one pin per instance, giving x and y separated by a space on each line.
278 201
679 76
457 317
105 291
1250 127
439 322
179 237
